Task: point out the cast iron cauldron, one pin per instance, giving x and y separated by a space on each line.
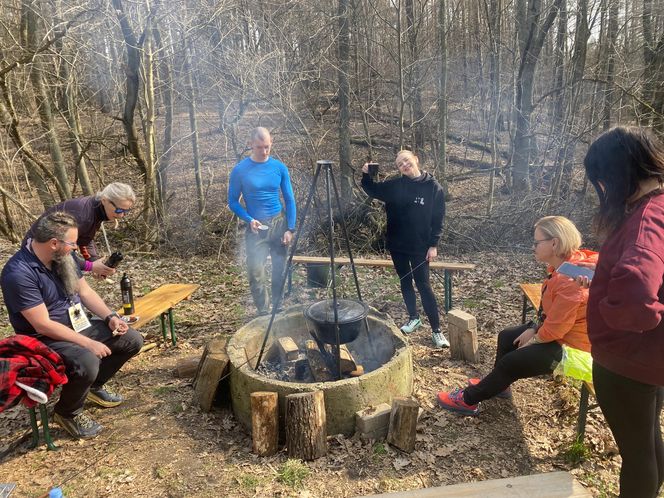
350 315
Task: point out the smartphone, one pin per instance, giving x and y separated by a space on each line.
373 169
574 271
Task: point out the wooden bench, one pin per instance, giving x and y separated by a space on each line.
532 297
547 485
447 268
160 302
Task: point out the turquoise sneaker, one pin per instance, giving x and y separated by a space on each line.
412 325
439 340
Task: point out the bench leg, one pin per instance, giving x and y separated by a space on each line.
35 429
171 323
524 309
43 414
162 317
47 433
583 412
447 284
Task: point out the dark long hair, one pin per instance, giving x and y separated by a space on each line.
616 163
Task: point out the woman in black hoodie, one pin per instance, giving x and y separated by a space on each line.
415 207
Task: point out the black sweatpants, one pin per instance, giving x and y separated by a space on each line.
409 267
632 410
513 364
85 370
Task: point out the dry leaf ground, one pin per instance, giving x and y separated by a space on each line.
159 443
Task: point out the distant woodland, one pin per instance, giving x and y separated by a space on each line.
162 93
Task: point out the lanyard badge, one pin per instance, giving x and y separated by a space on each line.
79 319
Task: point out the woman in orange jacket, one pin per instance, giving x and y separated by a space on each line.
535 348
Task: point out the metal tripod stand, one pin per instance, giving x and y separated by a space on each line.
330 186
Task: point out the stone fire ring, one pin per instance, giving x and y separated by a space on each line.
342 398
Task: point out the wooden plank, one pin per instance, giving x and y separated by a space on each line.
533 293
159 301
548 485
387 263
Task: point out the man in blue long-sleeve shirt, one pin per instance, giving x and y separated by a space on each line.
260 179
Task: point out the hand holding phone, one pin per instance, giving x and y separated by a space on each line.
574 271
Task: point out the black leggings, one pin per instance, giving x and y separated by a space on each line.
409 267
632 410
512 364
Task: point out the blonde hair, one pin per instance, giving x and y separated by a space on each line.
409 154
564 230
117 192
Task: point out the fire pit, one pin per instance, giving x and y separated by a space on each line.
384 355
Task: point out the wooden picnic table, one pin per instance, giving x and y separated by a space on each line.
160 302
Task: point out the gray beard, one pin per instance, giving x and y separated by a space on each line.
64 267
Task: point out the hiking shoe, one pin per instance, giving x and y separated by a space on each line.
454 402
102 397
80 427
412 325
505 394
439 340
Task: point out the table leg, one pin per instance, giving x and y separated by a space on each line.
171 323
583 412
163 325
524 309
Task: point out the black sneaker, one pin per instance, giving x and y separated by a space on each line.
80 427
104 398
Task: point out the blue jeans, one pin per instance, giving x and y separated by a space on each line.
258 247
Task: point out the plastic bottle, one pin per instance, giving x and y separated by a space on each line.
127 295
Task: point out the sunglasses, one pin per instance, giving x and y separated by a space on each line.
119 210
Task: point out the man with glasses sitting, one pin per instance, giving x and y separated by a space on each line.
45 294
111 204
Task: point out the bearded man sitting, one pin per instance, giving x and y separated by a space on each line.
44 292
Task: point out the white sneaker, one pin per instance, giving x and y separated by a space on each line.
411 326
439 339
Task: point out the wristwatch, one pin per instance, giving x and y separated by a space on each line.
107 320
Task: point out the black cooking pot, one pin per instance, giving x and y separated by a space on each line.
350 315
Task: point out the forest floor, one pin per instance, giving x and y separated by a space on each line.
159 443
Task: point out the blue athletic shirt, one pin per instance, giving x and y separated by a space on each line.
260 184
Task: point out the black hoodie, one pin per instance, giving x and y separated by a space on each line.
415 211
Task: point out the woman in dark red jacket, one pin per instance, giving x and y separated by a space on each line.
626 303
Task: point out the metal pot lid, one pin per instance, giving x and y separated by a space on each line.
348 310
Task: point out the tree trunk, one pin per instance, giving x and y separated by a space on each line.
306 425
415 98
43 101
442 94
344 99
193 127
264 423
403 424
532 34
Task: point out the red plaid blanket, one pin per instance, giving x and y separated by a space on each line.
25 359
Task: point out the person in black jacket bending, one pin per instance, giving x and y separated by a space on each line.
415 207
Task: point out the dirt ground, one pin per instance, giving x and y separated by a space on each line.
160 444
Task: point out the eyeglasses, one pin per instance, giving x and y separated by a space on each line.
119 210
70 244
538 242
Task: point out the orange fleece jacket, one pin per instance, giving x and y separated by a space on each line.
564 306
